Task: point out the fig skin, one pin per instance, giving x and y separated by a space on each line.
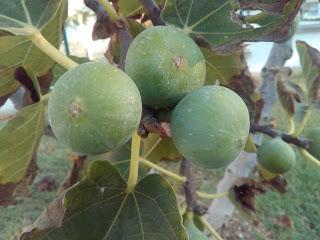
94 108
165 64
276 156
314 135
210 126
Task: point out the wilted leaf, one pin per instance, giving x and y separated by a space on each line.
193 232
278 183
100 207
156 148
19 138
22 17
245 191
245 85
217 21
284 221
222 68
287 94
310 62
19 51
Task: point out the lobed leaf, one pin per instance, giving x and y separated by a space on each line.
19 51
218 23
100 207
23 17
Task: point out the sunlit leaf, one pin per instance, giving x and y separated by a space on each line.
100 207
218 23
19 51
23 17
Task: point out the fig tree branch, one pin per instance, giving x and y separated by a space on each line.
268 130
153 11
189 187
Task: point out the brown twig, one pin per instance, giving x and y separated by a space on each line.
153 11
268 130
190 189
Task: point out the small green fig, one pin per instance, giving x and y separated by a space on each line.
276 156
165 64
94 108
210 126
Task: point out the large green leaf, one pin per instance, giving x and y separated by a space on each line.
23 17
310 62
19 138
222 68
100 207
19 51
217 21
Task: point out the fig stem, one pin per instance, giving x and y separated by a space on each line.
114 17
179 178
134 162
51 51
291 127
309 157
210 228
204 195
162 170
45 98
304 122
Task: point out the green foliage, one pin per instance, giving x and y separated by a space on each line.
210 126
167 68
218 23
19 137
19 51
91 112
100 207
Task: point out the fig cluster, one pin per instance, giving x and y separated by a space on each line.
95 107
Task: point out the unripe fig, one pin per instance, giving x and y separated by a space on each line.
276 156
314 135
210 126
166 65
94 108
